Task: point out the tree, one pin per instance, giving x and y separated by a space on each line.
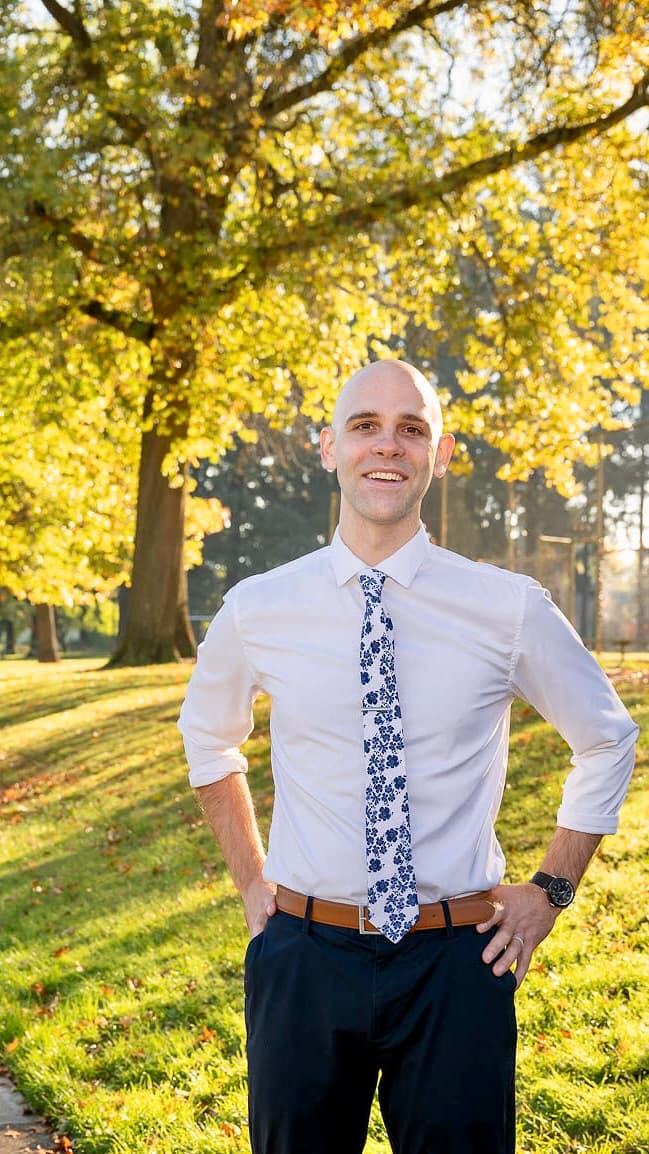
277 495
68 449
258 193
68 458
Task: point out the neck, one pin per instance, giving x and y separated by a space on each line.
372 543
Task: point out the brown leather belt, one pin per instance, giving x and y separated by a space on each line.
462 911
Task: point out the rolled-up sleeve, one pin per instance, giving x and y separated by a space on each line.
216 716
555 673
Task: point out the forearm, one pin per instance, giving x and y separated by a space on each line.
227 805
569 853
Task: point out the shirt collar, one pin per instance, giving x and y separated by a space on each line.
401 566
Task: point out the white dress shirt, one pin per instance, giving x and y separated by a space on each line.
469 638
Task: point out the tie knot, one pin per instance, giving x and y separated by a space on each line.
372 584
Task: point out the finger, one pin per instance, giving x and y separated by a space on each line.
522 966
498 942
506 960
504 948
495 919
516 951
257 925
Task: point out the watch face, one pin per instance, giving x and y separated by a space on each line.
561 892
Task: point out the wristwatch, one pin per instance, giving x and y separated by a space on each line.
560 891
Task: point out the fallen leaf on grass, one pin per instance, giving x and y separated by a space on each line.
62 1142
230 1129
206 1035
61 950
9 1047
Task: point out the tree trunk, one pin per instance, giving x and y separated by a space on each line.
158 586
45 627
10 636
184 635
59 632
532 514
122 604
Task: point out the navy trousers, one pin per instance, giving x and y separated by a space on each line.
331 1012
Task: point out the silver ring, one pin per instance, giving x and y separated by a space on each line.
518 938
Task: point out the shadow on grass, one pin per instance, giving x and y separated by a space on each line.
61 689
101 744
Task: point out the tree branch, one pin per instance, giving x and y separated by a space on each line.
31 322
272 103
133 327
92 67
210 32
34 322
63 228
71 23
377 208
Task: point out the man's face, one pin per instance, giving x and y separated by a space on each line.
384 446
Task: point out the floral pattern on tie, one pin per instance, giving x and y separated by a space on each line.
392 887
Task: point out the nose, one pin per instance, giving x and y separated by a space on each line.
387 444
388 447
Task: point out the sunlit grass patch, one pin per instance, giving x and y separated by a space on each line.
123 939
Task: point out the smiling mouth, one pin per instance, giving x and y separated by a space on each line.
379 475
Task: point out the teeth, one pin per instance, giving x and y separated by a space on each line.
385 476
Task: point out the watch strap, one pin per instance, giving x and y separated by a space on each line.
541 879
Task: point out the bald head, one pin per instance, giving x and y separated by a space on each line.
386 444
378 376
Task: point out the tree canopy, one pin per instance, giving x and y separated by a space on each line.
258 196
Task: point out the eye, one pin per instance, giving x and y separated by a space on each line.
364 425
413 431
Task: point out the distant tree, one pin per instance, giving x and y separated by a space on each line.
277 495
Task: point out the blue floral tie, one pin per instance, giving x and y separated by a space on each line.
392 887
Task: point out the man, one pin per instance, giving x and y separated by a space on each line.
382 937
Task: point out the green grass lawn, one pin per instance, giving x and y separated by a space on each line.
122 937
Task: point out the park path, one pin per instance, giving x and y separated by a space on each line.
22 1131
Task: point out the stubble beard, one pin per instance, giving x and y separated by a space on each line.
371 510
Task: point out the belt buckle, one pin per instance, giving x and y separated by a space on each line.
362 918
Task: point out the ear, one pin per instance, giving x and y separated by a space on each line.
327 449
445 447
